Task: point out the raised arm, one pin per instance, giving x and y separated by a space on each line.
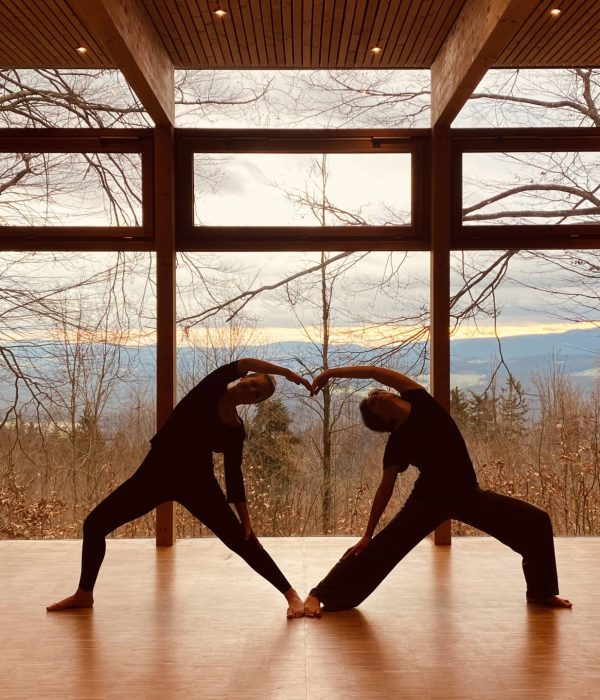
383 375
251 364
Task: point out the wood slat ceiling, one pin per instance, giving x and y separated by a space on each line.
296 34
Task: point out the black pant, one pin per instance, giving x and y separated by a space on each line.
517 524
153 483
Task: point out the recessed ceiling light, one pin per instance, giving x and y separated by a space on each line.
555 12
220 12
376 49
82 50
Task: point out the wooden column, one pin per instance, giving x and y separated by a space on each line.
441 189
477 37
166 381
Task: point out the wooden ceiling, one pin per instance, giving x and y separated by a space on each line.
295 33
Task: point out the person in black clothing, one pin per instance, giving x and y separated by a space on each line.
424 435
179 467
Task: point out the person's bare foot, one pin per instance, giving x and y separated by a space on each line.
312 606
553 601
80 599
295 604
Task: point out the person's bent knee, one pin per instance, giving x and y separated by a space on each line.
92 527
543 523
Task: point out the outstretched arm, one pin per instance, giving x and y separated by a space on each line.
380 501
383 375
251 364
244 516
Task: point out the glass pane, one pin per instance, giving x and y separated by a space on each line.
270 306
74 98
302 189
70 189
531 188
525 378
534 98
389 99
77 386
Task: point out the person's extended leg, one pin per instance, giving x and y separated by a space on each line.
525 529
132 499
353 579
206 501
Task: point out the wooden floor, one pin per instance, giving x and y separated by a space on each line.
194 622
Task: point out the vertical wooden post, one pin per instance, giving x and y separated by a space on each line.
441 225
166 382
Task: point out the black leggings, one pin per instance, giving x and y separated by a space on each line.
154 483
517 524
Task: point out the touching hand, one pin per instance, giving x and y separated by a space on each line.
358 548
297 379
250 535
320 382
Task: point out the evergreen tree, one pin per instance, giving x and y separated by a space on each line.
512 408
481 412
459 406
270 441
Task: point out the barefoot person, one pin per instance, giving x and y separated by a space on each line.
179 467
424 435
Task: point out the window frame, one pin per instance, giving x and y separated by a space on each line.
84 141
189 142
518 236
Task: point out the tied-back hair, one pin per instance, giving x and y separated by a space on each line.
272 384
373 421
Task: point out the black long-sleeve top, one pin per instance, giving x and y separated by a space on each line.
430 440
195 428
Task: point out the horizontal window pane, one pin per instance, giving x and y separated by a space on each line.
73 98
305 99
70 189
531 188
302 189
537 97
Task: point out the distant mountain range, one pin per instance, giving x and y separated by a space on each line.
577 352
472 359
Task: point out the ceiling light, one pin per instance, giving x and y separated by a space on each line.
555 12
376 49
82 50
220 12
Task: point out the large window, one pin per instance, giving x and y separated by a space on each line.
311 467
525 378
77 386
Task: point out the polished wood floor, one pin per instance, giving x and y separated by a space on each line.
194 622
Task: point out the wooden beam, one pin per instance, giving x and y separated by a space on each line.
475 41
127 34
439 284
166 381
